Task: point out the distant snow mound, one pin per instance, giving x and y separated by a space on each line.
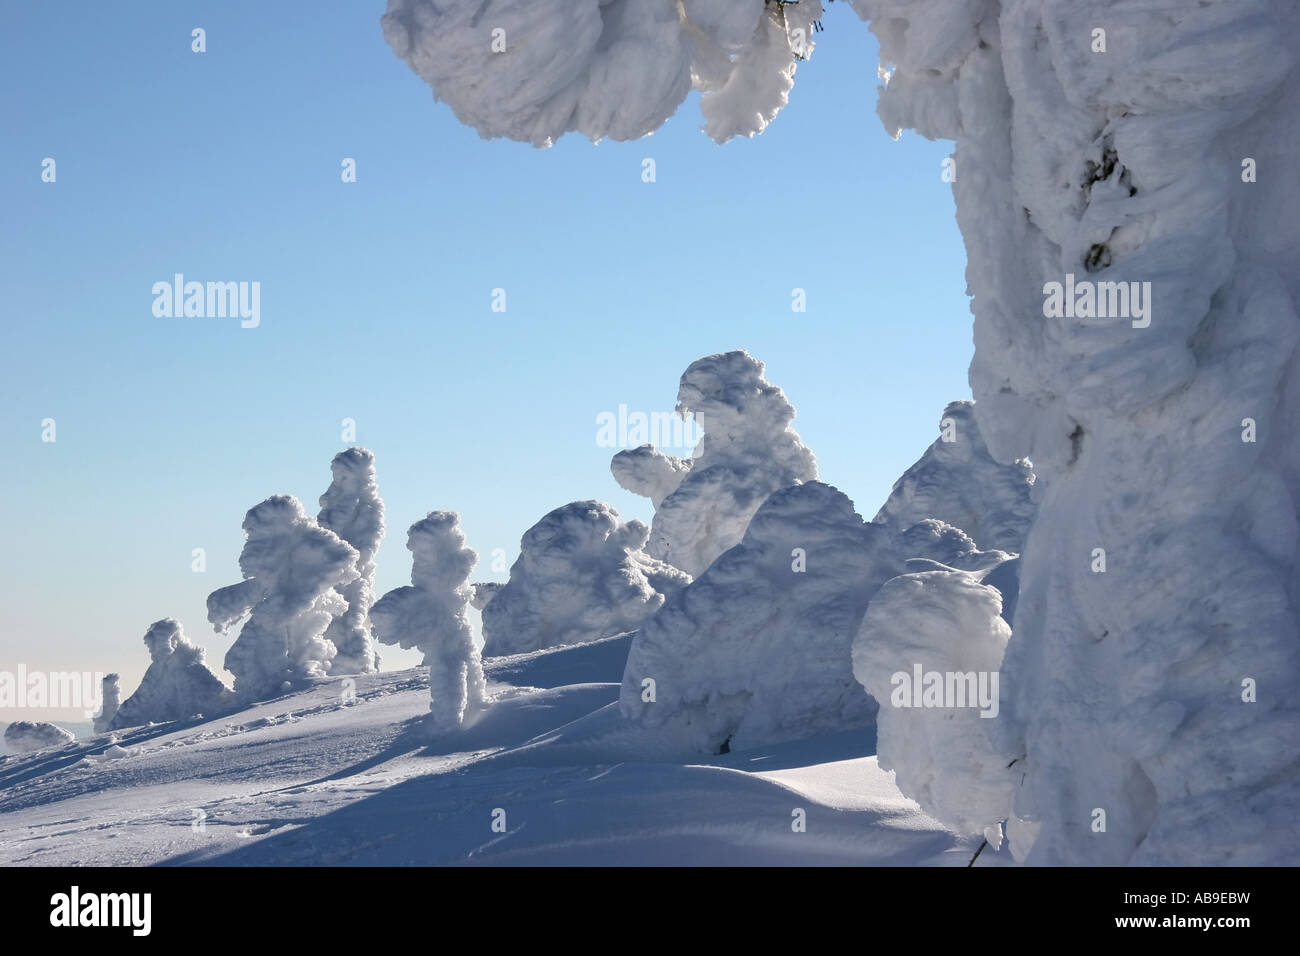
757 649
581 575
533 70
25 736
352 509
291 568
178 683
430 615
748 451
958 482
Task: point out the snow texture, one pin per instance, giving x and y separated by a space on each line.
178 683
533 70
430 615
25 736
291 568
483 593
956 481
1157 689
581 575
943 622
352 509
748 450
319 779
757 649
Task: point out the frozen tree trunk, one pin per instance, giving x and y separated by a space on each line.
352 509
1155 641
291 568
112 699
431 615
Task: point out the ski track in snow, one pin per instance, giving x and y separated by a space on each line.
312 779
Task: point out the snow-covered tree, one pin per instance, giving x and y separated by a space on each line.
760 647
111 700
958 482
483 593
352 509
26 736
581 575
944 622
756 649
748 450
533 70
178 683
291 568
430 615
1108 151
1115 152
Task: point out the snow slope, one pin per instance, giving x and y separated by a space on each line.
312 778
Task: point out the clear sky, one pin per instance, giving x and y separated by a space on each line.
376 295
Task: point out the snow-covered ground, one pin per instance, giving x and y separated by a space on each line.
325 777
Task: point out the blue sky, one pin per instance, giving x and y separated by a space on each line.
375 299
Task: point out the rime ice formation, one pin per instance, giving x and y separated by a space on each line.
430 615
648 472
581 575
1139 155
291 568
112 700
757 649
748 451
1145 155
956 481
1121 151
352 509
944 622
178 683
533 70
25 736
483 593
